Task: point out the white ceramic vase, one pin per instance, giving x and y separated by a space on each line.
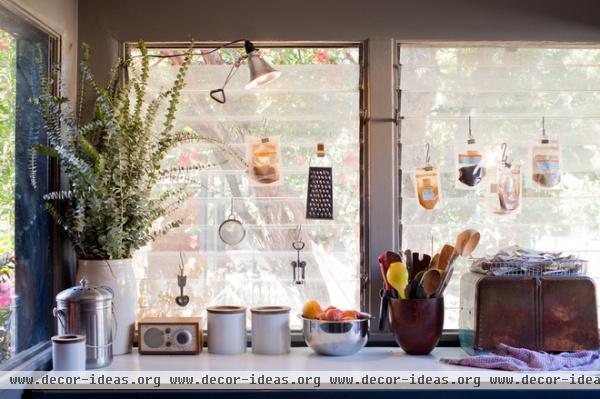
117 275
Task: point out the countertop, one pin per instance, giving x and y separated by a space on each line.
300 358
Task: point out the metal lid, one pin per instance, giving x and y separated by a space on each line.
84 293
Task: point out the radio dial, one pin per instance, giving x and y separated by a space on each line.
183 337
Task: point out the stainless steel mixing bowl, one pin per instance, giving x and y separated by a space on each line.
336 338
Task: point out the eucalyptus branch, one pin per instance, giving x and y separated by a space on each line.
113 160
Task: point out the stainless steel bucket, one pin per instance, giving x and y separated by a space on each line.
88 311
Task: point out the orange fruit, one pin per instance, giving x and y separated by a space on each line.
353 314
312 309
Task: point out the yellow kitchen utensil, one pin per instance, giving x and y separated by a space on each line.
397 277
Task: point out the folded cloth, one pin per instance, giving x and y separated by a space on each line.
521 359
517 260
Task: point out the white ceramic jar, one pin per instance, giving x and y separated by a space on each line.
226 329
270 330
68 353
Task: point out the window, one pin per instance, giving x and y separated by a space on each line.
316 100
25 295
506 90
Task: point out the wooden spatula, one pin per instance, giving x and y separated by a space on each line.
445 256
419 263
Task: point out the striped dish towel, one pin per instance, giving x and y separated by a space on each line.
521 359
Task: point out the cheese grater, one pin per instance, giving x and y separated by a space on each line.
319 198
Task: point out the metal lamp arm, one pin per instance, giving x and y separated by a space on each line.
219 94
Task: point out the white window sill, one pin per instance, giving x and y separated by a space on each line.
302 358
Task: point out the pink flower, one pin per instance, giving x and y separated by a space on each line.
5 300
183 160
322 56
193 155
299 160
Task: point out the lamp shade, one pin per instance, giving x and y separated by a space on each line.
261 72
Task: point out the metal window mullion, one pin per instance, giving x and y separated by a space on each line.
382 185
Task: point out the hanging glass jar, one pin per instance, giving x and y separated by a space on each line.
509 184
469 164
545 158
427 184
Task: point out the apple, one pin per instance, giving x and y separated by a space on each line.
333 315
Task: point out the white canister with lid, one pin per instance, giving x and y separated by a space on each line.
270 330
226 329
68 352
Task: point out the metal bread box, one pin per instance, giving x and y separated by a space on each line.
547 313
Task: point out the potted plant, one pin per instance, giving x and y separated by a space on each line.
113 164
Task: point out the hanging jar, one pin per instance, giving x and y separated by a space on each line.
545 158
508 184
469 163
427 184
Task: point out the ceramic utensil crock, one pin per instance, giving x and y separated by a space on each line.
84 310
270 330
226 329
416 323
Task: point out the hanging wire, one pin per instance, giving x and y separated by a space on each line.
201 53
181 263
231 208
470 133
544 136
427 156
264 124
504 156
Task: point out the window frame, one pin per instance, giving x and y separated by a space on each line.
450 337
38 356
362 46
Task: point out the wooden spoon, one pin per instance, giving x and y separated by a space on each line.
467 241
471 244
435 261
461 241
445 255
431 281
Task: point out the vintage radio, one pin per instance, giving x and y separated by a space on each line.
170 335
547 313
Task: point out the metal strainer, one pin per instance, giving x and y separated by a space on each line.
231 230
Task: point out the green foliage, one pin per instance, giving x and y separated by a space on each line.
113 161
8 83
